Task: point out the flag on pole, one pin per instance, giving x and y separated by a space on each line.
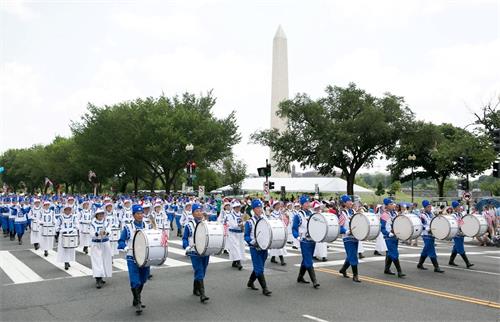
48 182
92 176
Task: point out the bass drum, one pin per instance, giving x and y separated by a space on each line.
474 225
444 227
148 249
209 238
407 227
35 226
365 226
270 234
323 228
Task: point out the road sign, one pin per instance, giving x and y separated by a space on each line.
201 191
266 190
467 196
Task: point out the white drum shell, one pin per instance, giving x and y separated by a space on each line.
474 225
209 238
115 235
444 227
407 227
48 231
35 226
323 227
70 240
270 234
85 228
147 248
365 226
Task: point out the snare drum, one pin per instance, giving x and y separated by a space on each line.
209 238
270 234
365 226
474 225
323 228
147 248
407 227
444 227
48 231
85 228
70 240
35 226
115 234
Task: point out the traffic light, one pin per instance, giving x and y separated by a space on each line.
496 140
264 171
283 193
268 170
271 185
496 169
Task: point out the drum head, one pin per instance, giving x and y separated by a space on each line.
201 237
140 248
470 226
402 227
440 227
317 227
263 234
360 226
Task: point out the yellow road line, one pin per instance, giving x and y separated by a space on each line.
420 290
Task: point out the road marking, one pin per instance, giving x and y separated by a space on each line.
120 263
422 290
16 270
76 269
310 317
496 257
471 270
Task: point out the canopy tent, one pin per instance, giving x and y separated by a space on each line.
299 184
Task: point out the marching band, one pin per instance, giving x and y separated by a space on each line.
105 227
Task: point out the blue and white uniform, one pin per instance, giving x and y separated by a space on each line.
259 256
235 241
281 251
47 218
299 231
101 257
429 249
66 224
391 241
34 216
199 263
350 243
21 221
85 219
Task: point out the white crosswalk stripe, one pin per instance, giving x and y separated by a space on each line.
16 270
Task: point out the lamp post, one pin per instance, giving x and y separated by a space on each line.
189 168
412 158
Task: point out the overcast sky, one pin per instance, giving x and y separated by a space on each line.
442 56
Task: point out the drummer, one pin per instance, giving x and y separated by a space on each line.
350 243
67 223
321 249
392 255
458 241
200 263
137 275
277 213
236 243
258 255
85 218
429 240
47 218
307 245
34 216
101 257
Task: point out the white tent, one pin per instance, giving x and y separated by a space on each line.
299 184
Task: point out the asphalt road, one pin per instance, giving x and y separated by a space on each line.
36 289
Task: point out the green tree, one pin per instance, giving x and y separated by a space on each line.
233 172
347 129
380 189
438 149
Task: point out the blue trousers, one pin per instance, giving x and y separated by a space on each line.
258 260
178 222
351 250
11 225
392 247
200 264
212 218
429 247
137 275
20 228
5 224
170 217
458 245
307 250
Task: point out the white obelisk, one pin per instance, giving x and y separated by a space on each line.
279 89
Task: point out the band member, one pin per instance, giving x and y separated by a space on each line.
277 213
178 213
307 245
66 224
34 217
429 247
113 221
47 219
137 275
12 218
391 240
160 217
236 243
380 245
20 221
101 257
200 263
170 214
258 255
321 249
126 213
5 217
85 219
458 241
186 215
350 243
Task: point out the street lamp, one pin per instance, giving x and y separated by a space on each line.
412 158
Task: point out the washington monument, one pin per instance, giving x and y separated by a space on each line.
279 89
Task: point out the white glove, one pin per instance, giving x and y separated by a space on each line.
348 233
188 249
391 235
